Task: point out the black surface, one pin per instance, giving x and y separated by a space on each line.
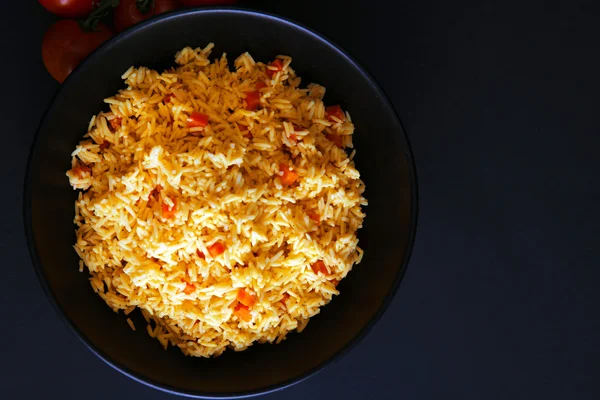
500 101
386 237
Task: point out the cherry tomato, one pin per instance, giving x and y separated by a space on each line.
192 3
127 12
68 8
65 45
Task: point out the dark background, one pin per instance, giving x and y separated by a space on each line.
501 103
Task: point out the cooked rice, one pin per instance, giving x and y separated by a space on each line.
130 323
224 188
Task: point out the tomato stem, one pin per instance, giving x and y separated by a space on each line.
90 24
145 6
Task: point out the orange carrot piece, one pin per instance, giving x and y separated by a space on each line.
288 177
246 298
242 312
319 266
216 249
189 288
169 212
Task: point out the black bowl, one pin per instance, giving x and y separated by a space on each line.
383 158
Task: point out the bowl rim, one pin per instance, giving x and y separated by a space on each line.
27 205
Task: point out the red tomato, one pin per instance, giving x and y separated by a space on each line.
127 13
197 119
68 8
65 45
336 139
252 100
277 66
335 111
192 3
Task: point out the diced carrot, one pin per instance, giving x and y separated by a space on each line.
115 123
246 298
274 67
319 266
216 249
335 111
200 254
252 100
242 312
169 212
314 216
260 85
168 98
336 139
104 145
189 288
197 119
288 177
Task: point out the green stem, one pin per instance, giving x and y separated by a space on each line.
90 24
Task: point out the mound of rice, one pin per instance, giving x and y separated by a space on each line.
222 232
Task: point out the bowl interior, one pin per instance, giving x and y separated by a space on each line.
383 158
